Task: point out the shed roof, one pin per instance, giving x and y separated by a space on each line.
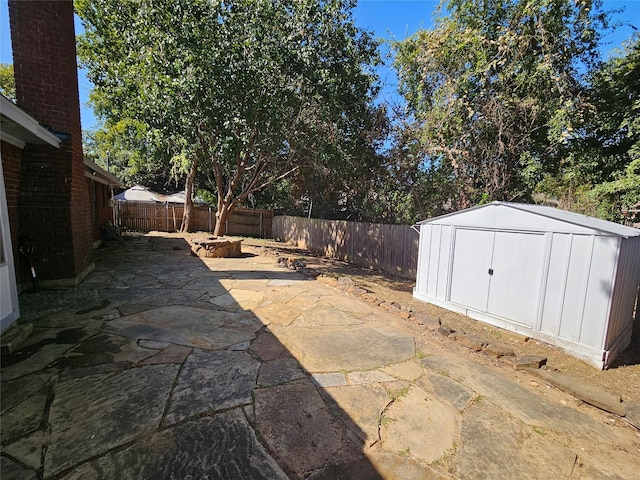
555 214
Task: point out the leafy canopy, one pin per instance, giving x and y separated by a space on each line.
249 89
494 90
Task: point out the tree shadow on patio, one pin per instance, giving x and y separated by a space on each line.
165 382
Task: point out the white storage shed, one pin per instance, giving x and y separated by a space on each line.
564 278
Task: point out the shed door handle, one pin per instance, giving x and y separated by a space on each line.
491 271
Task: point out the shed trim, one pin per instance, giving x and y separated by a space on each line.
571 218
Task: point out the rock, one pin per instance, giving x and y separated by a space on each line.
369 298
13 338
425 320
357 291
216 247
444 330
509 359
471 341
591 394
498 351
309 272
529 361
345 283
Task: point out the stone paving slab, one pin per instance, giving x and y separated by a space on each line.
379 467
280 371
24 417
212 381
420 426
29 449
300 431
114 385
116 408
16 391
364 404
189 326
221 447
354 348
508 453
14 471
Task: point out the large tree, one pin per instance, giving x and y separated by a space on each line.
601 172
493 91
249 90
7 81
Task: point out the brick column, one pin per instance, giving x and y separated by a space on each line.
54 205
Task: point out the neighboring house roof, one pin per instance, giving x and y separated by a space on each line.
139 193
99 174
19 128
179 197
555 214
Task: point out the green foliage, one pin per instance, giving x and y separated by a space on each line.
7 81
128 150
493 92
254 90
603 170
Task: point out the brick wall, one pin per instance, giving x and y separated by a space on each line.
54 204
103 210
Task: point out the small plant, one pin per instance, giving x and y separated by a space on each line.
539 431
420 355
386 421
443 372
405 452
399 394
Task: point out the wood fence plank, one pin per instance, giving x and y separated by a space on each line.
392 248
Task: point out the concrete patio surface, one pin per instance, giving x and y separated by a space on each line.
162 365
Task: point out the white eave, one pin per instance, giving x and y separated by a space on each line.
99 174
19 128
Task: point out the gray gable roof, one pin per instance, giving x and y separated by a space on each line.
556 214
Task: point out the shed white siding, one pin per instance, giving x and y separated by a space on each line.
564 278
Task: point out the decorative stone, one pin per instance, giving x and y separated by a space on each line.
529 361
444 330
13 338
216 247
471 341
345 283
426 320
498 351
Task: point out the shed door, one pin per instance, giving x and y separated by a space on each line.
498 273
517 273
472 254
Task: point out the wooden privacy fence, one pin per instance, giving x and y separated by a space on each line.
166 217
392 248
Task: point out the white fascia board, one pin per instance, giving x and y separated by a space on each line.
34 132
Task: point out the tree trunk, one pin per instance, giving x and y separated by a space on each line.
224 210
188 194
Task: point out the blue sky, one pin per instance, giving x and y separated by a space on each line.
388 19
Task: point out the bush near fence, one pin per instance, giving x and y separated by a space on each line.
165 217
392 248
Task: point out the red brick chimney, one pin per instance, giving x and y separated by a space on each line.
54 206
